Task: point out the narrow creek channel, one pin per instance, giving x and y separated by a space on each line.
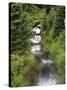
48 75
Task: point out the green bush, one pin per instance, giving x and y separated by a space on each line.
24 69
21 28
53 38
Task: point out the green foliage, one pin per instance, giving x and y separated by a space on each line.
23 18
19 80
58 54
44 21
21 28
24 69
58 24
53 38
24 66
35 11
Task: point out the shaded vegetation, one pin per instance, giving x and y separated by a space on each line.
24 66
24 69
21 30
53 37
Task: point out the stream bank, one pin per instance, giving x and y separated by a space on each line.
48 75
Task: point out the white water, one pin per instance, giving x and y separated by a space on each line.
36 30
48 75
48 61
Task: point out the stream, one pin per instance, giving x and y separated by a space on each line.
48 75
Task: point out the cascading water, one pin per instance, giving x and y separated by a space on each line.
48 75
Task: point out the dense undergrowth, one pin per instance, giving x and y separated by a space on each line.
24 66
53 38
24 69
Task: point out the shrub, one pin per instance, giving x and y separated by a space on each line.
24 69
53 38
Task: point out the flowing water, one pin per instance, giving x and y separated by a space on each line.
48 75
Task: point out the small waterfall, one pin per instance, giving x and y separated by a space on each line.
48 75
36 46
